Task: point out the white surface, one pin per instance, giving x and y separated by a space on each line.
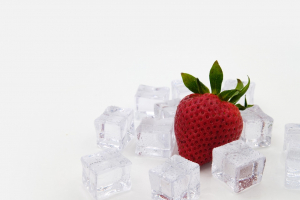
63 62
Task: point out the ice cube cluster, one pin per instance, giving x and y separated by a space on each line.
238 165
155 134
257 129
292 149
178 178
106 173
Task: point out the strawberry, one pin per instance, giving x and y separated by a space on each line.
207 120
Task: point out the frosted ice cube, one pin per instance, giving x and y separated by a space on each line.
238 165
292 168
292 134
106 173
231 84
146 97
179 90
257 130
176 179
155 137
115 127
166 109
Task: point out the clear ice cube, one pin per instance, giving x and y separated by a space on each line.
179 90
146 97
115 127
176 179
257 129
155 137
292 168
106 173
166 109
292 134
238 165
231 84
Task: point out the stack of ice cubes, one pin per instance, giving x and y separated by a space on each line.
146 97
292 162
238 165
155 137
257 129
231 84
115 127
179 90
178 178
106 173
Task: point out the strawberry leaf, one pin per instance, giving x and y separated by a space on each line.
216 78
237 97
227 94
240 107
246 104
239 84
190 82
202 88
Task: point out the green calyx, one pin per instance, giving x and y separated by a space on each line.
216 79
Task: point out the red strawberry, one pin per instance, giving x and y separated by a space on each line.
207 120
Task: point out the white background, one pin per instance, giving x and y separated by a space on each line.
63 62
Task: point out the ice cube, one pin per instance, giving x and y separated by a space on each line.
257 130
231 84
238 165
166 109
178 178
146 97
292 167
179 90
155 137
292 134
106 173
115 127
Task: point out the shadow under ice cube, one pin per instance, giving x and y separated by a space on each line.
238 165
106 173
146 97
166 109
176 179
291 135
231 84
155 137
179 90
115 127
292 168
257 129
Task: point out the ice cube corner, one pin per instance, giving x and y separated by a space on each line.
291 135
155 137
178 178
115 127
238 165
145 98
166 109
106 173
257 129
